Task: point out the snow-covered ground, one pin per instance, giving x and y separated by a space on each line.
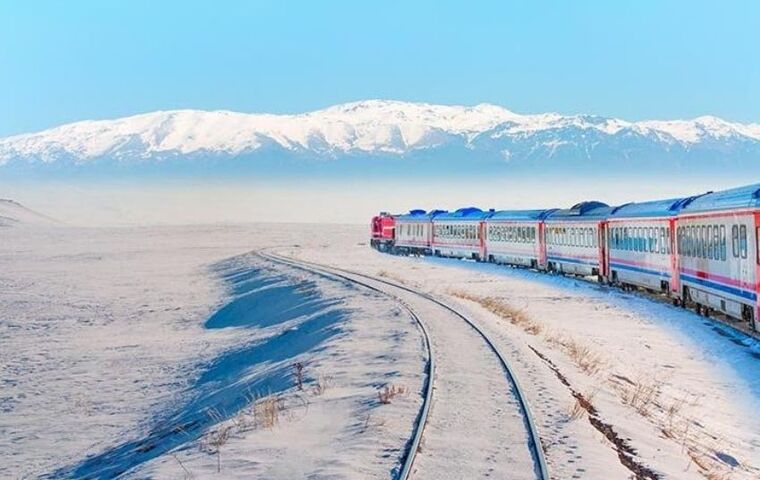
680 390
138 347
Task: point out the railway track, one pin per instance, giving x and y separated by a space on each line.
398 293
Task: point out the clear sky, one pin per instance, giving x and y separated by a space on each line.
62 61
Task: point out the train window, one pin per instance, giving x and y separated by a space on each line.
735 240
679 240
632 242
625 238
716 242
687 241
650 232
703 241
743 240
709 242
667 239
723 243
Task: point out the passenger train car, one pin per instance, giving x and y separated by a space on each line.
459 234
414 232
641 243
700 251
574 239
718 252
515 237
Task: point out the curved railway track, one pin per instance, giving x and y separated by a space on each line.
413 446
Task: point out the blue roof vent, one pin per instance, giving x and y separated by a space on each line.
468 211
417 211
584 207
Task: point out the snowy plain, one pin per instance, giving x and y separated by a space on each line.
110 335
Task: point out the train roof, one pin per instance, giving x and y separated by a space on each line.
741 197
521 214
465 214
588 210
654 208
419 215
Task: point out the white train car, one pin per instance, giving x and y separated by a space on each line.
641 245
516 237
459 234
718 252
414 232
575 239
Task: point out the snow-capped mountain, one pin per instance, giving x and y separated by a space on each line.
387 128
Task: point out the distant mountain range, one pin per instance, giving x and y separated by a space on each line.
440 135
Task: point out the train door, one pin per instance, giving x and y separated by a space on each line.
482 240
755 320
675 266
604 258
541 245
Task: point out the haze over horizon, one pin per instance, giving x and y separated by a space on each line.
606 67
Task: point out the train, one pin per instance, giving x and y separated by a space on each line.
700 251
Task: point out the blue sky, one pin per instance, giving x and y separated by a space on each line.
74 60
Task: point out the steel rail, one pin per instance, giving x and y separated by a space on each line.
535 441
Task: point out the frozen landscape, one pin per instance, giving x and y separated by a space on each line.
379 240
177 352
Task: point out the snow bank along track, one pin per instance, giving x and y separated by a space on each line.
366 281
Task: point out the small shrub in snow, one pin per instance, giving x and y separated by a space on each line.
298 374
386 394
213 442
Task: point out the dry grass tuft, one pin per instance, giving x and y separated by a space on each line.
586 359
642 396
386 394
390 276
579 408
214 440
710 468
510 313
266 411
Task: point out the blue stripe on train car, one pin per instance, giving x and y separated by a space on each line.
720 286
640 270
571 260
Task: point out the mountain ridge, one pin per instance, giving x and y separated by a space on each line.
371 127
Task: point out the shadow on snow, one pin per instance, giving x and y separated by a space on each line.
226 384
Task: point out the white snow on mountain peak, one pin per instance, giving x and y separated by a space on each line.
370 126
